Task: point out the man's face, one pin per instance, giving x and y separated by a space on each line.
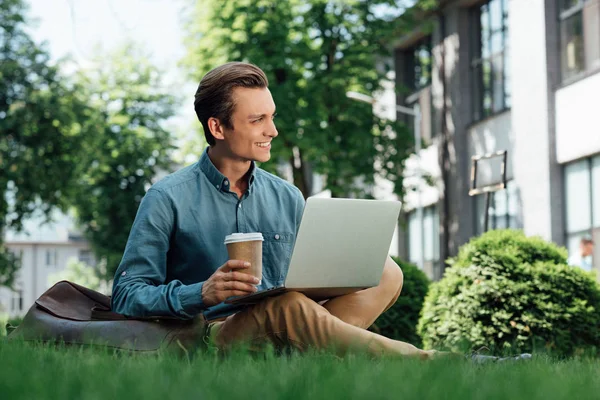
587 249
253 125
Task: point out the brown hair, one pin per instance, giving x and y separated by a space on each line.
587 240
213 98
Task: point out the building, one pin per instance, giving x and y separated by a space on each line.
44 251
515 75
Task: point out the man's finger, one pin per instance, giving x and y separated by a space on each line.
235 264
235 285
240 277
232 293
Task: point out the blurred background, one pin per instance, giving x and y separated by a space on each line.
376 99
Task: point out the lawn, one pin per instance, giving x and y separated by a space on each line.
41 372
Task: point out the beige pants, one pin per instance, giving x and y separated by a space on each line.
293 320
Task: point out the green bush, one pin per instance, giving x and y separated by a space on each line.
400 321
512 293
5 320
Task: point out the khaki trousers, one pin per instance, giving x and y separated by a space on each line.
293 320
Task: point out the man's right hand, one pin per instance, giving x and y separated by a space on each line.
229 280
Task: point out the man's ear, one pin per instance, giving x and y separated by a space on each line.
216 129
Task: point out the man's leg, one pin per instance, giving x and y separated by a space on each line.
362 308
293 320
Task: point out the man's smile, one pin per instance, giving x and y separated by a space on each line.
264 145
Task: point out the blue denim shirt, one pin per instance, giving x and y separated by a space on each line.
176 241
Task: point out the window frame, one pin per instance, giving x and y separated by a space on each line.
493 218
477 62
564 15
16 300
589 164
51 257
431 210
415 89
425 43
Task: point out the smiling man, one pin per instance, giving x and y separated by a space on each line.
175 262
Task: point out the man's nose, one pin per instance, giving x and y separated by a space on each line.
272 131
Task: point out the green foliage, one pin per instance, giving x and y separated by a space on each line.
400 321
82 274
93 142
9 265
128 148
313 52
40 129
512 293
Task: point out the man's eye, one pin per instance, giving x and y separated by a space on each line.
274 115
257 120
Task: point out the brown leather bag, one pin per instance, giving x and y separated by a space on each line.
72 314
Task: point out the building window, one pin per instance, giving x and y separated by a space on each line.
16 303
51 257
579 36
425 239
490 62
85 256
418 84
504 212
582 196
422 64
18 254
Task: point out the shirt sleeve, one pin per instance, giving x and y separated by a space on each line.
139 288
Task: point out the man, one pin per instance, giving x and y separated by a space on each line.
175 262
583 259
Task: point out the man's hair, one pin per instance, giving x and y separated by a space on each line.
214 97
587 240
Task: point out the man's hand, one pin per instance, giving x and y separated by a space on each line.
227 281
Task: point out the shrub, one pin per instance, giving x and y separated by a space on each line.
400 321
512 293
3 321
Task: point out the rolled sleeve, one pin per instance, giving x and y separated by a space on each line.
139 288
190 298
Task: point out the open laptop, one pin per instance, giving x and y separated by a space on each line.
341 247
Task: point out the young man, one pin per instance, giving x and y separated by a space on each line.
583 258
175 262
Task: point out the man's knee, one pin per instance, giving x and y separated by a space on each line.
392 278
292 310
293 298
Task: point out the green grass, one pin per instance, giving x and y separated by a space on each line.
42 372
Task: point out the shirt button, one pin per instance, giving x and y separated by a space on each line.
124 273
218 186
226 182
240 206
276 237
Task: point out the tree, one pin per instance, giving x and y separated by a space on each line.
41 130
93 142
129 145
313 52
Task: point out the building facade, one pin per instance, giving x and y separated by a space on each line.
44 251
521 76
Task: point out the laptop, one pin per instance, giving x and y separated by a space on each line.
341 247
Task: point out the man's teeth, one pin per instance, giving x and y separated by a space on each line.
265 144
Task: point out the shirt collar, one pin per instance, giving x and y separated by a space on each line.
216 178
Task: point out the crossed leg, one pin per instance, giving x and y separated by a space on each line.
362 308
293 320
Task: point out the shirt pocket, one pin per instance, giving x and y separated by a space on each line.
277 252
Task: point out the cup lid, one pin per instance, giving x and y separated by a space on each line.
243 237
